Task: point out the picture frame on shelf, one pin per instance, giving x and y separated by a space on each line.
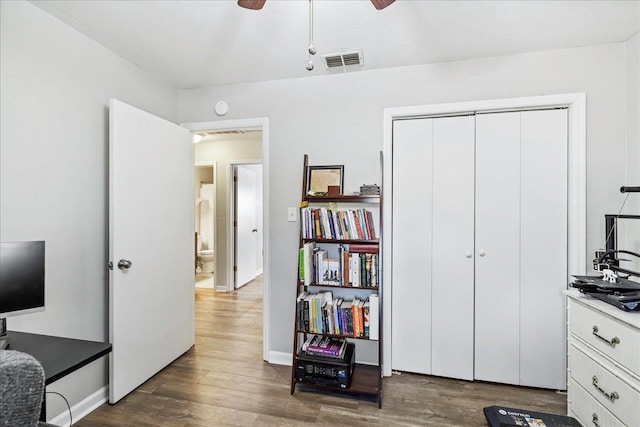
322 180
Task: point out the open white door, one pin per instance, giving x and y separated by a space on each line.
150 246
246 228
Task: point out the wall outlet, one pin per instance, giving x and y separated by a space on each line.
291 214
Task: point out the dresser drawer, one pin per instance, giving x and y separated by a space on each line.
615 394
615 339
587 410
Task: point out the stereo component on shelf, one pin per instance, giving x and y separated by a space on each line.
331 372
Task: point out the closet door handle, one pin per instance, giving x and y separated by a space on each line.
468 254
481 252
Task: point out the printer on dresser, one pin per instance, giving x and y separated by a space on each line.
604 363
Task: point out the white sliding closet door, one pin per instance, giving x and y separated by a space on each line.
521 243
412 246
432 277
452 256
497 247
479 250
543 253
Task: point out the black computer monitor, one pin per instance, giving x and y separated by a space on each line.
21 278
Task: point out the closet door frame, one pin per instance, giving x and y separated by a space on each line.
576 142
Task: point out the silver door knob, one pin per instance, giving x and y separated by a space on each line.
481 253
124 264
467 254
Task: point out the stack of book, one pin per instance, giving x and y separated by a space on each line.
355 265
320 313
317 345
351 224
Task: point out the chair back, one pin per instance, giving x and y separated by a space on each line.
21 389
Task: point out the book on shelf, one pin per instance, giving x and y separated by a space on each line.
317 229
348 319
365 313
319 265
300 310
343 265
374 315
356 317
363 248
318 345
301 264
307 264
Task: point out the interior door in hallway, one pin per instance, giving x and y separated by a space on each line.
150 246
246 224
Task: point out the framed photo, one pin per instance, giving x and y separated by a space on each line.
320 178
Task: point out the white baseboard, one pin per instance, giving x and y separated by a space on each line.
280 358
83 408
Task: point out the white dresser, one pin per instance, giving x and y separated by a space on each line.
604 363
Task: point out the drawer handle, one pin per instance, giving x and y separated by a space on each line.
594 419
612 342
611 396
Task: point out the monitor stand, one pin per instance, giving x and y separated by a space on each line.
4 338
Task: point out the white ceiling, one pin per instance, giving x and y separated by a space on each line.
203 43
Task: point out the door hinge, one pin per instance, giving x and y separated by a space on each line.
110 265
235 222
235 268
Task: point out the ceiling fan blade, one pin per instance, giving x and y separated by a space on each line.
381 4
251 4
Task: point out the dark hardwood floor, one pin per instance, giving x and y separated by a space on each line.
222 381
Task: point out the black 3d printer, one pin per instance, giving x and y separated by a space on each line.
615 286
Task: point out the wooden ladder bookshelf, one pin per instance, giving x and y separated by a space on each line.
366 379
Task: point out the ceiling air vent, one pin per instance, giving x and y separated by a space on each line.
343 59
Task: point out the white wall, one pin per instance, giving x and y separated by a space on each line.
337 119
56 84
224 149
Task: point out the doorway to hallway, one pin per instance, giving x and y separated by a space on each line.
236 141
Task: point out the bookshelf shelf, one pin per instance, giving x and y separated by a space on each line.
343 241
349 262
356 288
335 335
364 381
344 198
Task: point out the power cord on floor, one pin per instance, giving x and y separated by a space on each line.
68 406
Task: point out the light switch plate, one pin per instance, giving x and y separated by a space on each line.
291 214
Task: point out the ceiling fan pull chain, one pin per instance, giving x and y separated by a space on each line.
312 48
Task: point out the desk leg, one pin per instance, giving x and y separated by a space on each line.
43 408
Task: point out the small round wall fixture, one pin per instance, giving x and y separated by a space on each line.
221 108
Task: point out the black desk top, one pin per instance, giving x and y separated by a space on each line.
58 356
